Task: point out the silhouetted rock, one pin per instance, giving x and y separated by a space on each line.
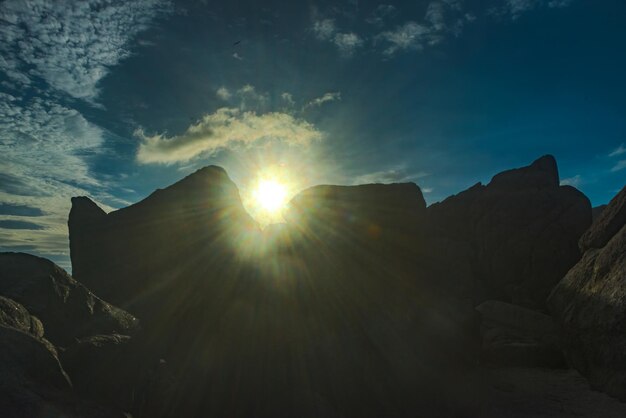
522 231
516 336
608 223
589 302
133 256
67 309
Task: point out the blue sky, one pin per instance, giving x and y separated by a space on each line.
112 99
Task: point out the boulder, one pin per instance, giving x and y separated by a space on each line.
609 222
517 336
67 309
589 303
521 229
135 256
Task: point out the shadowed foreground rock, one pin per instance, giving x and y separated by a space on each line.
521 232
590 302
67 309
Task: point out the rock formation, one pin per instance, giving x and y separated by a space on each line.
521 229
590 302
67 309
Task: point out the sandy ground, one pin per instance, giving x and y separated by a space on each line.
535 392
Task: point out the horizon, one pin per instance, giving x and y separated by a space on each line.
116 103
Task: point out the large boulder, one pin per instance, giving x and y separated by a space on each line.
14 315
137 255
67 309
589 302
521 229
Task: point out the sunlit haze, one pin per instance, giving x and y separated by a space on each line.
270 195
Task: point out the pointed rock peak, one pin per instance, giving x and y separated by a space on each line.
541 174
84 210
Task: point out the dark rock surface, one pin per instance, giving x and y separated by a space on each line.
516 336
353 307
133 256
608 223
522 231
589 302
14 315
67 309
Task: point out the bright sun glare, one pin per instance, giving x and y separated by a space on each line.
270 195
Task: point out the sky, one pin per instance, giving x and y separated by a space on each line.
113 99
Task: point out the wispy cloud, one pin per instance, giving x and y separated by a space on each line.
621 164
226 128
223 93
346 42
392 175
618 151
382 13
327 97
70 45
515 8
572 181
53 53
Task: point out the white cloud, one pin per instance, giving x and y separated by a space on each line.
226 128
223 93
237 56
324 29
71 45
618 151
409 36
347 43
621 164
572 181
327 97
288 98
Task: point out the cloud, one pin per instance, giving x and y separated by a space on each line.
16 224
394 175
327 97
223 93
381 13
515 8
237 56
621 164
70 45
324 29
618 151
572 181
227 128
409 36
19 210
287 98
346 42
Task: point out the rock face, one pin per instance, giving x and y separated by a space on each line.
589 302
126 256
67 309
516 336
521 230
362 304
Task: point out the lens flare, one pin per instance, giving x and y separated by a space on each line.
270 195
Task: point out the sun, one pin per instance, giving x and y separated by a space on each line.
270 195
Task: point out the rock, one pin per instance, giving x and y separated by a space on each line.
608 223
67 309
101 369
30 374
14 315
134 256
596 211
516 336
589 303
522 232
